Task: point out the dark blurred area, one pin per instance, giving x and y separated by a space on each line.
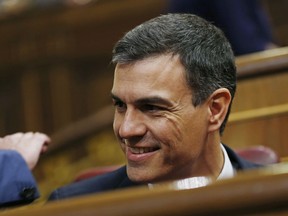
246 23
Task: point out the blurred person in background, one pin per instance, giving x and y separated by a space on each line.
244 22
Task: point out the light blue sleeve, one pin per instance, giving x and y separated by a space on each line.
17 184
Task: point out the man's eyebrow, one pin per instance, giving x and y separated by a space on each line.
154 100
114 97
147 100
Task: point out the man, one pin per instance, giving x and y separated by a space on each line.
19 154
174 82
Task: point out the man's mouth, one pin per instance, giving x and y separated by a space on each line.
142 150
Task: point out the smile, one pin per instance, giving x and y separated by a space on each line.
142 150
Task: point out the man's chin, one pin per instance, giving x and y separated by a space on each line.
138 175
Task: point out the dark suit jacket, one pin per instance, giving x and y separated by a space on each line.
118 179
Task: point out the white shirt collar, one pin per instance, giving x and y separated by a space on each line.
227 170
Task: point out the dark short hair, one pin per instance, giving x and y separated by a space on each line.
202 48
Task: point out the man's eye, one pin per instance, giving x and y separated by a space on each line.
149 107
120 106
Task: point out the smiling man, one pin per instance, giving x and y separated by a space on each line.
174 81
163 135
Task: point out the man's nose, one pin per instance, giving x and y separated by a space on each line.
132 125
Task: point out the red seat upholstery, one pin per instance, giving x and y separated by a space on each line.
259 154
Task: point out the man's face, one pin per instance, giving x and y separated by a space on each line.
161 133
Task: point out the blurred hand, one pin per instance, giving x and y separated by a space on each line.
30 145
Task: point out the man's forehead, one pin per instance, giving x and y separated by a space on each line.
158 77
165 67
149 60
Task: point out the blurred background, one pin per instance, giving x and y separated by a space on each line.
56 76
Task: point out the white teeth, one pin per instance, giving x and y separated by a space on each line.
141 150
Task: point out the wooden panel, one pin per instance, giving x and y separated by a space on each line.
267 131
259 114
31 100
260 192
61 57
262 91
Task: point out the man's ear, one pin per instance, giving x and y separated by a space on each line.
219 102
